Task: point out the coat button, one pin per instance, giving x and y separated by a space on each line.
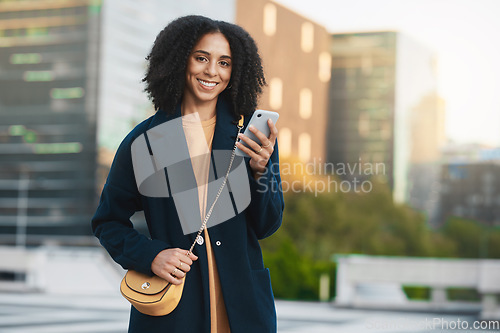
218 243
200 240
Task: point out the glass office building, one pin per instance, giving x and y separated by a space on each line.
362 100
470 184
471 190
48 105
377 79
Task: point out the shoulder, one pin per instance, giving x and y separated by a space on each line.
156 119
122 162
138 130
123 153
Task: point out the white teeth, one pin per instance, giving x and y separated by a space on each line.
207 84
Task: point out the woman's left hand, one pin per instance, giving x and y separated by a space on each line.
259 155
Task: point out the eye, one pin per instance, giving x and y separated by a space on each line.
224 63
201 58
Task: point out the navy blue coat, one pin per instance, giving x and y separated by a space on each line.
245 282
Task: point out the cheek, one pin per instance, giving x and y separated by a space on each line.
227 75
192 68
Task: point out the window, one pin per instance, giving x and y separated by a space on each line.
385 130
269 19
275 93
30 76
364 125
366 64
305 103
307 38
67 93
304 147
285 142
325 66
25 58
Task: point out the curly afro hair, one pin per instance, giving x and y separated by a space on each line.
165 76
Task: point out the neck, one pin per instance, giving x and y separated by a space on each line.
205 110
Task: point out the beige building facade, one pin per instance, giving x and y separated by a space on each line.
297 64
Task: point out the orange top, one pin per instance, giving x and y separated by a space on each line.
193 128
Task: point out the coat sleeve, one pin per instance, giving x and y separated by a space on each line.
265 211
111 224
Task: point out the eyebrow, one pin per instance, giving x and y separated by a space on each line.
208 53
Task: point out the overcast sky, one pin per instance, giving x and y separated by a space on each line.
465 34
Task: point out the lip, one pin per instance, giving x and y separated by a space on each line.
211 84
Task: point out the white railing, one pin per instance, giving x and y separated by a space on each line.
356 271
61 270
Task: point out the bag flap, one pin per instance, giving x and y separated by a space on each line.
145 284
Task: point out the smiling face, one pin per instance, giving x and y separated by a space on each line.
208 69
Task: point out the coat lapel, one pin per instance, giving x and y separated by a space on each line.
161 116
225 129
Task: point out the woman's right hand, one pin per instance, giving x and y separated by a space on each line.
177 261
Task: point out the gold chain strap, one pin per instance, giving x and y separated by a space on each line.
207 216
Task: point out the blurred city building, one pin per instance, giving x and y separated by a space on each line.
48 112
427 141
380 82
297 63
470 184
428 136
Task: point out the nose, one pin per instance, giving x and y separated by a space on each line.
211 68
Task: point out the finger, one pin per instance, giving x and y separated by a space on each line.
173 261
187 254
259 164
171 279
185 268
259 157
185 265
274 132
250 152
185 261
166 274
259 161
183 258
177 273
192 256
262 138
181 262
252 144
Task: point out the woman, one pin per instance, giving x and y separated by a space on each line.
210 69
